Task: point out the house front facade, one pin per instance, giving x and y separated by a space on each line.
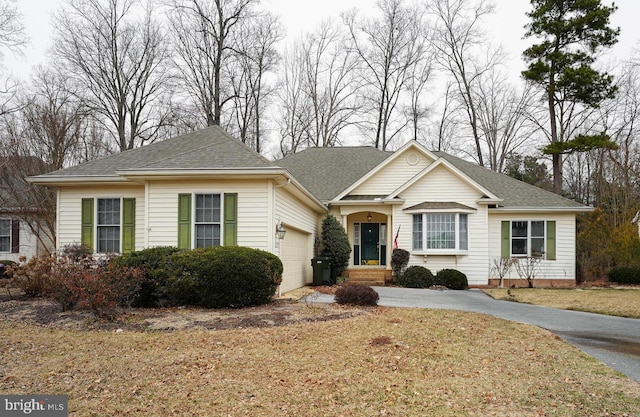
206 189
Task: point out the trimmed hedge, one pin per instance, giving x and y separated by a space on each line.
158 270
625 275
416 276
356 294
227 276
452 279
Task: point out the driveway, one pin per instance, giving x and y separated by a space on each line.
613 340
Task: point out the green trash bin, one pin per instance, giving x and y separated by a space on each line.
321 270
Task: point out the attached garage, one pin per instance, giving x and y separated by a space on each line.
295 253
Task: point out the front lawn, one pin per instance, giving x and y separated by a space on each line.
385 362
613 302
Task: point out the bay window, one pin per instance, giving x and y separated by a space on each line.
440 232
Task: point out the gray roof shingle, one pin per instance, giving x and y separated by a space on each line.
326 172
209 148
515 193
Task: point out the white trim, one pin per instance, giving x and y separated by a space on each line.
381 165
455 171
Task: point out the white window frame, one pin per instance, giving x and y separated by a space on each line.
98 226
528 239
10 236
419 236
219 222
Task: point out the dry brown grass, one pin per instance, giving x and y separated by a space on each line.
613 302
387 362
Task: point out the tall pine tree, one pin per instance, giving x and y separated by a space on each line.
569 33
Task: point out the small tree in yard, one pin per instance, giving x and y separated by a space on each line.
336 245
501 267
527 268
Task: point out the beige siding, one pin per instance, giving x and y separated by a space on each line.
396 173
69 209
565 264
442 185
253 209
302 222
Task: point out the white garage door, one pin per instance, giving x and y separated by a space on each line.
294 253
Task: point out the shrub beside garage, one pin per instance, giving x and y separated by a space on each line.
162 276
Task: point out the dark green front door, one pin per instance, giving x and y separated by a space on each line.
370 242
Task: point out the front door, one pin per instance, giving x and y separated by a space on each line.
370 243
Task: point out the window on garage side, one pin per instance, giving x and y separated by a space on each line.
108 225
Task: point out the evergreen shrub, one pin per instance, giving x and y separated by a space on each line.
416 276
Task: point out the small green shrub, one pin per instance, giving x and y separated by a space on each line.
452 279
6 269
157 269
356 294
227 276
625 275
416 276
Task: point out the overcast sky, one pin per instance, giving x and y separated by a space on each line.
506 26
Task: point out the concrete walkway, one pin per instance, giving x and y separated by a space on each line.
613 340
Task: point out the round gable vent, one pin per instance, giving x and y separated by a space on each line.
413 158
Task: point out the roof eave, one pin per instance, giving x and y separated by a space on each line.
393 201
583 209
76 180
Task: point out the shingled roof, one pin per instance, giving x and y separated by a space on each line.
326 172
209 148
514 193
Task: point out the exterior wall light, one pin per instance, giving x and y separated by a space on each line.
280 231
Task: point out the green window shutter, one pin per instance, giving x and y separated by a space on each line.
128 225
505 249
86 235
551 240
184 221
230 219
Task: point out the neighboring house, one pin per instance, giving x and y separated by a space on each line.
19 237
636 221
206 188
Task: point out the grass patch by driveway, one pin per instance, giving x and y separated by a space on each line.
609 301
386 362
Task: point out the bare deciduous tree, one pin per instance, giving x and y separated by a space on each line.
117 54
457 38
502 116
330 84
256 57
295 114
204 41
389 47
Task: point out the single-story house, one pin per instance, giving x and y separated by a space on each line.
207 188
